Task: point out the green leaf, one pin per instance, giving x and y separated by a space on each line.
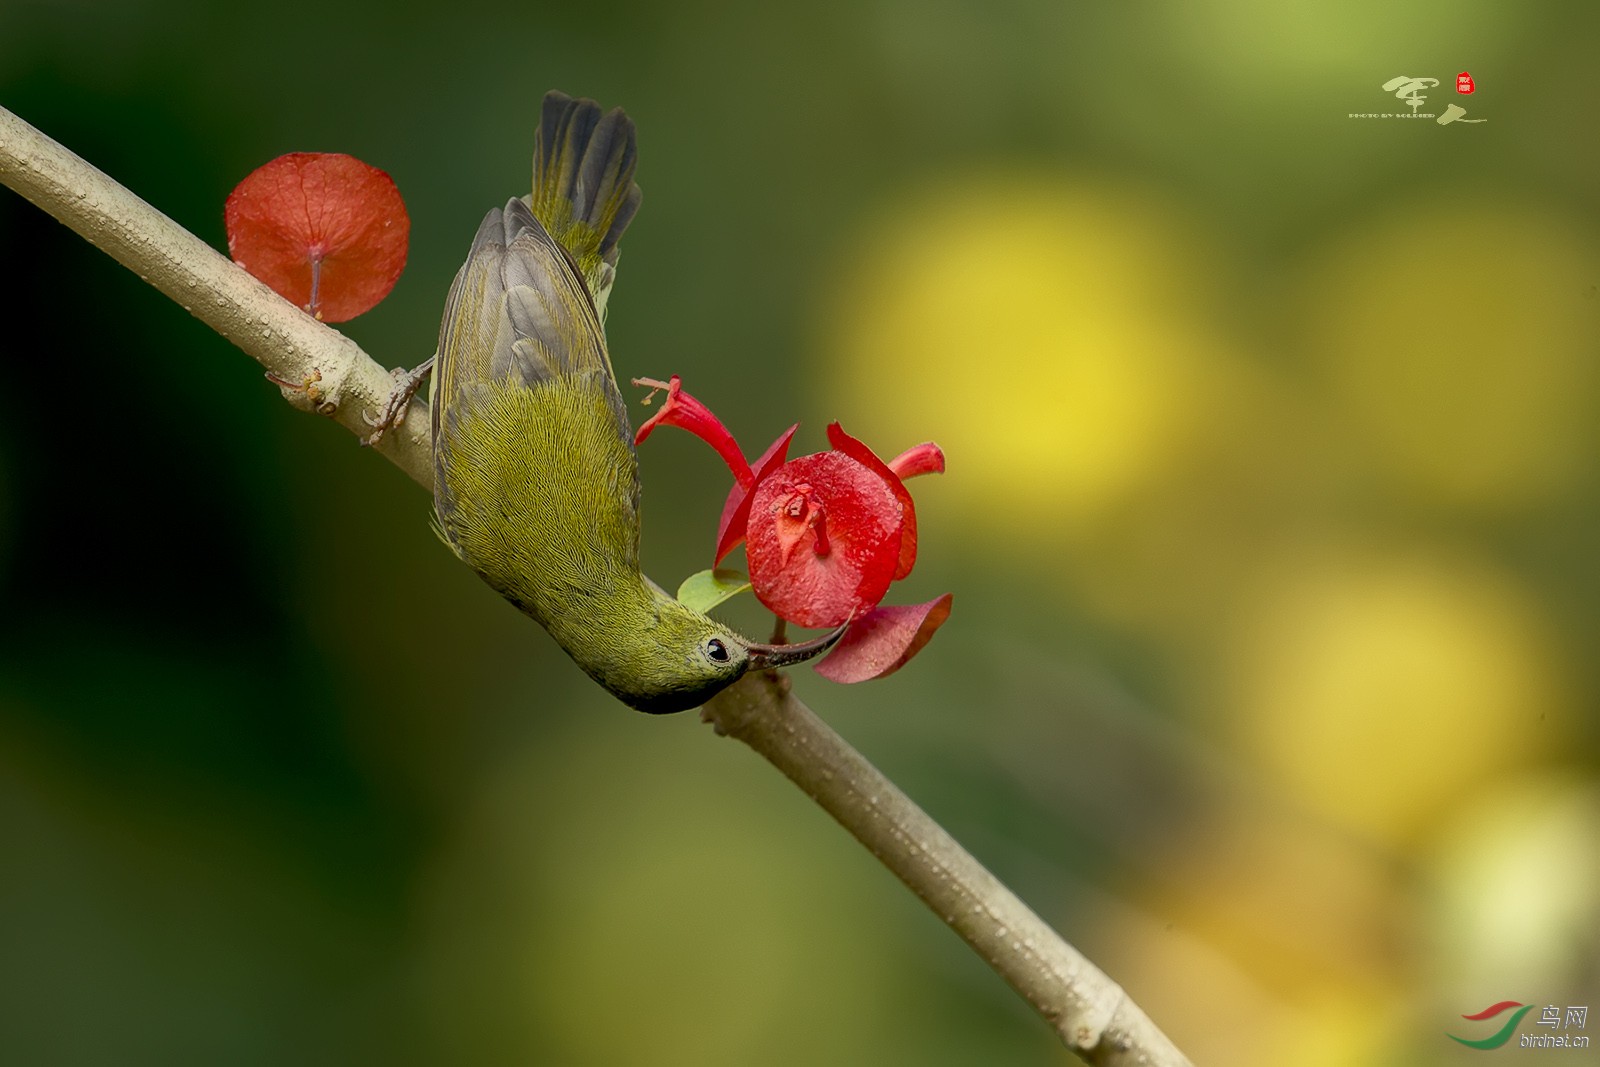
706 590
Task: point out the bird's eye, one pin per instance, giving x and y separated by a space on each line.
717 650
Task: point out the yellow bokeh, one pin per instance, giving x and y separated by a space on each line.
1041 329
1458 342
1516 889
1278 930
1379 691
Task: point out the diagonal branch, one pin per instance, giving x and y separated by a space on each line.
1088 1011
1091 1014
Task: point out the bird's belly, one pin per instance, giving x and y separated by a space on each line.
535 490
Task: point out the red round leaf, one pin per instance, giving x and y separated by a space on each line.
326 231
823 539
881 641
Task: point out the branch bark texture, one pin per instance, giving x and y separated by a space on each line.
334 377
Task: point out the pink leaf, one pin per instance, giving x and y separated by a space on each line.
881 641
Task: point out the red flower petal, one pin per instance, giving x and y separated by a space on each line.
736 509
686 413
864 455
881 641
926 458
823 539
326 231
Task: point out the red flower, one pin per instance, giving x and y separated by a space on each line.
825 535
324 230
823 539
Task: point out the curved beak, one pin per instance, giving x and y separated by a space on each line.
766 657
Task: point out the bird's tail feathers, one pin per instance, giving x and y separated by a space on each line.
583 188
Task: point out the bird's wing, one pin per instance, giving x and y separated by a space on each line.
519 313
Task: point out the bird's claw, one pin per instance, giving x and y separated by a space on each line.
394 409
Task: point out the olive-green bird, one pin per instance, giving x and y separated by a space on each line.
536 484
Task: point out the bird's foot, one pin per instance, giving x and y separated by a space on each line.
406 384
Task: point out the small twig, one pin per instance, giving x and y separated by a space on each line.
291 345
1089 1011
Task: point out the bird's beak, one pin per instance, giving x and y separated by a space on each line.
765 657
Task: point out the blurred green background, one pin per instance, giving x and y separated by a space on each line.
1271 518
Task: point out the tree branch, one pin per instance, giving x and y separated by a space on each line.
1091 1013
339 379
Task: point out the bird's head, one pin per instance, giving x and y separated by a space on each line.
692 657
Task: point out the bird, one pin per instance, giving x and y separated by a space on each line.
536 482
